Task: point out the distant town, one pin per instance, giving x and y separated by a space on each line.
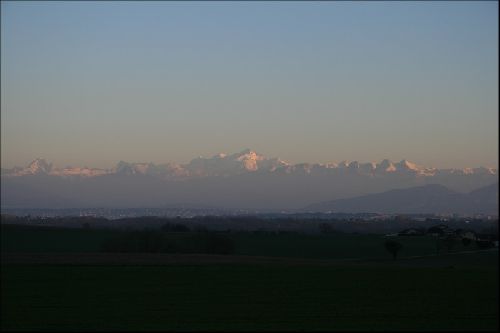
184 212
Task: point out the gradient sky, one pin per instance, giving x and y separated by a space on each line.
92 83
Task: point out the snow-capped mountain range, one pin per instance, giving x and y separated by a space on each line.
245 180
238 163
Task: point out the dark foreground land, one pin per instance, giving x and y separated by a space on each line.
86 290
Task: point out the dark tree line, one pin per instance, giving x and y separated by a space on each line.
149 241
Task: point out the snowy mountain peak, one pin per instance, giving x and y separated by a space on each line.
407 165
386 166
39 166
344 164
123 168
248 154
224 165
484 171
134 168
249 161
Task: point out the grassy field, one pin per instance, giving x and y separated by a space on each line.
323 282
319 246
252 297
329 246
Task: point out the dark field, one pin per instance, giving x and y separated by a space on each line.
287 282
319 246
248 297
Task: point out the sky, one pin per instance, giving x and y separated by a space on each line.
93 83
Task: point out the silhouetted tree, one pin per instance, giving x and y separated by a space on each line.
393 247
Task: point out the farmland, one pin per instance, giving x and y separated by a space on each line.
296 245
56 279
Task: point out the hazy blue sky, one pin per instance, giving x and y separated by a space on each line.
87 83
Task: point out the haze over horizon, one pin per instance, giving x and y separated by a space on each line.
241 152
248 180
93 83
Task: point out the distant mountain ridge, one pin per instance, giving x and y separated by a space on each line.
244 161
244 180
422 199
